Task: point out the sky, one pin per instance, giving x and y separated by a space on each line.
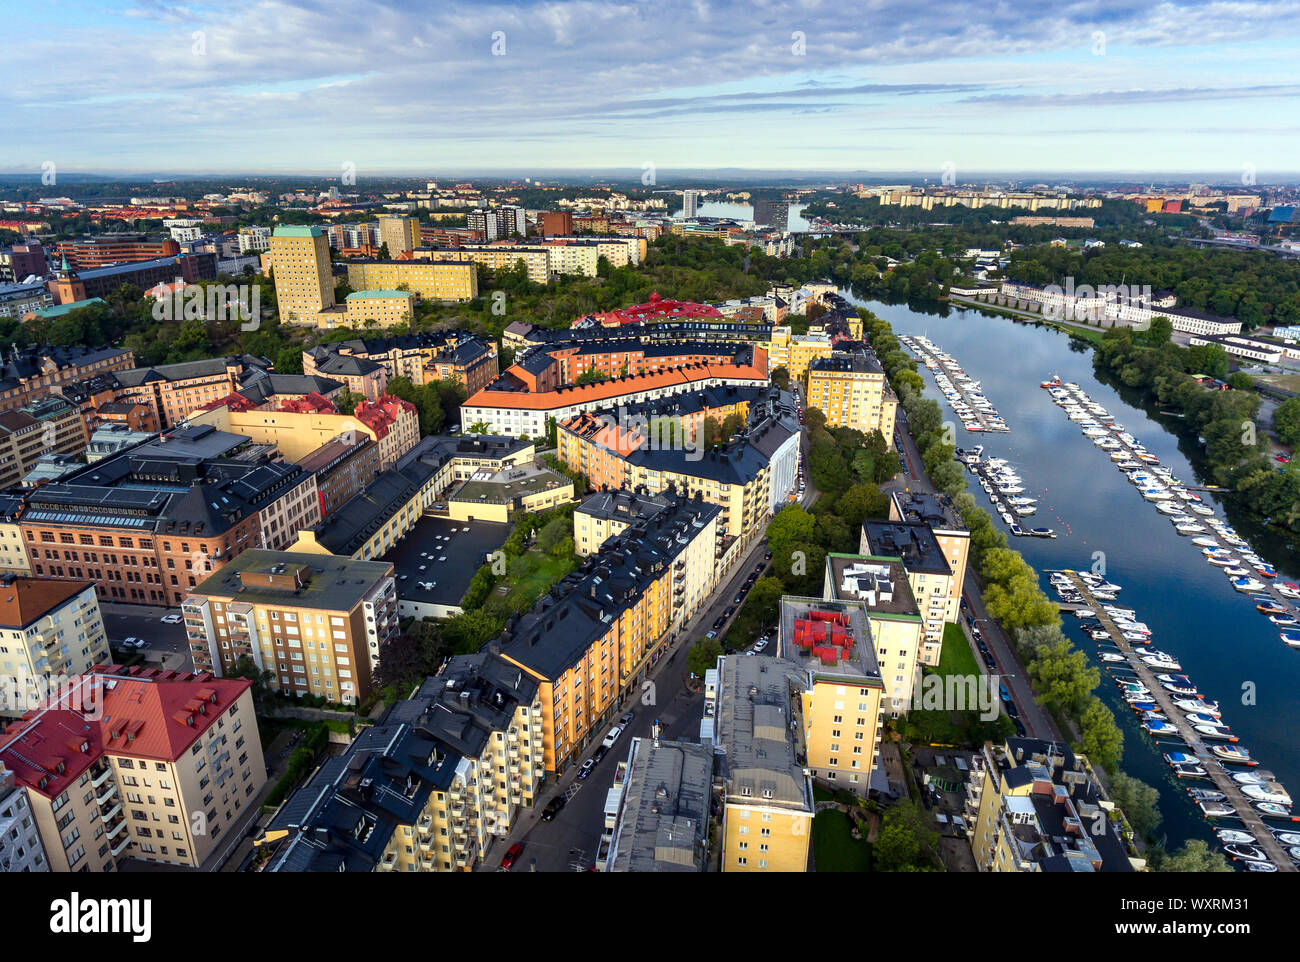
683 85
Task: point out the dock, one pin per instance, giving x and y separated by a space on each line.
979 420
1245 812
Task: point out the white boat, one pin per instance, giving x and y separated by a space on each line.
1235 836
1205 542
1270 792
1232 753
1196 705
1112 656
1214 732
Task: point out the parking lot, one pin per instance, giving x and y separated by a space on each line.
164 644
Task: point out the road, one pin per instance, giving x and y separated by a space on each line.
1038 724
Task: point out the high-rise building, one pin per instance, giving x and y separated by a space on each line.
772 213
401 234
850 388
304 283
690 203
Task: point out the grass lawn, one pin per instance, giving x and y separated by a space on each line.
956 658
834 849
544 571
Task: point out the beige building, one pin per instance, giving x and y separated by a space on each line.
50 630
495 496
401 234
50 425
795 352
319 623
162 770
455 280
379 308
607 514
304 283
13 548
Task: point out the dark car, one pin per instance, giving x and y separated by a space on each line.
599 754
586 768
740 596
553 807
728 611
988 658
627 718
512 855
758 568
1020 726
719 623
768 556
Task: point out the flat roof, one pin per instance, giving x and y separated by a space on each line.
336 582
377 294
912 541
433 538
877 580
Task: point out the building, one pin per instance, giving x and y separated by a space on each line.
13 548
22 299
319 623
497 496
430 788
378 308
1036 806
1251 348
851 389
368 364
21 261
52 425
929 575
70 284
92 252
690 203
513 405
660 802
109 439
172 391
52 631
767 795
557 222
897 630
147 524
138 763
591 639
401 234
304 281
937 512
451 280
33 372
772 213
494 223
343 466
21 849
607 514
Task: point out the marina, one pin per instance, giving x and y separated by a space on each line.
1162 702
962 392
1220 544
1005 491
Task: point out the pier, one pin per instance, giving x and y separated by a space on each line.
981 416
1245 812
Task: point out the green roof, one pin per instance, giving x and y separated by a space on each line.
309 231
362 295
58 310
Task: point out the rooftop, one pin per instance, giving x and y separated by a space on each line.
879 582
665 811
912 541
294 579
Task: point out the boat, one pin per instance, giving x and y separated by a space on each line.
1193 705
1232 754
1206 794
1287 589
1272 809
1206 542
1251 778
1112 656
1234 835
1270 608
1053 381
1158 727
1156 662
1188 770
1260 867
1286 838
1291 636
1250 853
1283 621
1221 561
1203 718
1042 533
1236 571
1247 584
1217 809
1268 792
1179 689
1215 732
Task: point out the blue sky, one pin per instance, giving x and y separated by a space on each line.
882 85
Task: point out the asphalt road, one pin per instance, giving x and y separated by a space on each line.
1038 724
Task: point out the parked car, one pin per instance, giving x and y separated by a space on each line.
132 642
717 625
712 634
728 611
599 754
612 736
171 619
586 768
627 718
989 659
1284 458
553 808
512 856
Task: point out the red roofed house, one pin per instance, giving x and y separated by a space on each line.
138 763
395 423
656 309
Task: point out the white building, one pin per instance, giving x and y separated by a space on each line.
690 203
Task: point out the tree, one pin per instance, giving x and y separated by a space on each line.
1195 856
703 655
1062 677
1286 421
905 839
1139 801
347 402
1102 740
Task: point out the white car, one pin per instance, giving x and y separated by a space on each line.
132 642
171 619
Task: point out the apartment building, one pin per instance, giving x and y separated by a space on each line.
304 281
160 763
795 352
509 406
92 252
660 820
48 426
495 497
378 309
401 234
70 285
767 795
21 849
318 622
940 515
30 373
21 300
590 641
850 388
448 772
147 524
450 280
343 466
172 391
1036 806
929 575
423 357
13 549
50 628
607 514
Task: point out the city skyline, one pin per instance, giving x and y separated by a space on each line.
679 85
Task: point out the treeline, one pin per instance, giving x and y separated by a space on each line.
1236 451
1255 287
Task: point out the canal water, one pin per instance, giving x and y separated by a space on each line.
1231 652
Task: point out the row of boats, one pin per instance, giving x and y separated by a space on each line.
1220 544
1191 713
1005 490
962 392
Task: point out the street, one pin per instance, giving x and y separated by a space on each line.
163 643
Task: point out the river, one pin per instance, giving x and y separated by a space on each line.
1223 644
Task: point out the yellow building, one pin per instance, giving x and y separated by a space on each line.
795 352
496 496
401 234
591 646
851 390
607 514
443 281
317 623
13 549
1035 806
953 537
379 308
536 260
304 283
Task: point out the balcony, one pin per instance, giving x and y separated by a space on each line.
108 816
101 778
425 824
108 793
388 862
426 845
121 846
115 827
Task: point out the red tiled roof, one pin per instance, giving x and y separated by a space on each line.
146 713
382 414
311 403
655 308
236 403
24 600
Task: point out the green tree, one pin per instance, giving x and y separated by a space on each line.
703 655
1195 856
1286 421
1102 741
1139 801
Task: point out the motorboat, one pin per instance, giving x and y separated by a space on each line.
1206 542
1287 589
1099 634
1230 836
1286 838
1112 656
1250 853
1201 717
1042 533
1215 733
1206 794
1252 778
1195 705
1232 754
1270 608
1260 867
1217 809
1161 728
1283 621
1236 571
1268 792
1272 809
1188 770
1291 636
1221 561
1187 527
1166 662
1248 584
